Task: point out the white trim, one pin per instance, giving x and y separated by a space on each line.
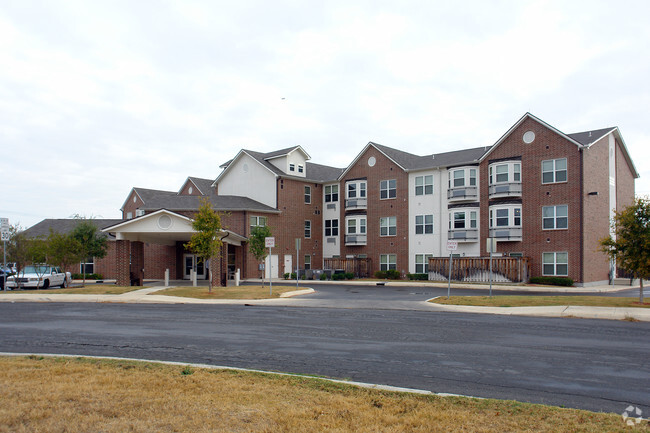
129 196
232 163
358 157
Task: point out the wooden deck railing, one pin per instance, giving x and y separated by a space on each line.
359 267
477 269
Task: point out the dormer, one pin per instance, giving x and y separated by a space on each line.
292 161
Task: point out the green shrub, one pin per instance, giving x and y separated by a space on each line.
287 275
349 275
338 277
293 275
552 281
88 276
418 276
390 274
323 276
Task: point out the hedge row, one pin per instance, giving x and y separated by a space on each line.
552 281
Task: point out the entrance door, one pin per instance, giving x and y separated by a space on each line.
271 266
192 261
288 258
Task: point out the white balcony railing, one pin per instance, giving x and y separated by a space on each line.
506 233
354 240
462 193
510 189
463 235
356 203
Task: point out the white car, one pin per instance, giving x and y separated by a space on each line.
40 276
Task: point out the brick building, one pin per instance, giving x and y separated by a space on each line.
541 193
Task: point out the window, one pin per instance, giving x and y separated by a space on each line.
387 189
300 168
472 177
505 217
502 173
356 189
423 224
307 229
506 172
472 219
307 261
554 170
139 212
307 194
292 167
555 264
459 178
387 262
88 266
356 226
332 227
424 185
422 263
331 193
458 220
388 226
257 221
555 217
129 215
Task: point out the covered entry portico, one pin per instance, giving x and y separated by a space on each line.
173 230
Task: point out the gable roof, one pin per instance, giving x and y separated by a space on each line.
588 138
65 226
285 152
192 202
146 194
204 186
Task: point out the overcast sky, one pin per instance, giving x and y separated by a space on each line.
98 97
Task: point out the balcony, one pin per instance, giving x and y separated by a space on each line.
506 233
355 240
463 235
462 193
509 189
356 203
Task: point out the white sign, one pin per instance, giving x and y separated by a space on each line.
4 223
491 245
269 242
452 245
5 235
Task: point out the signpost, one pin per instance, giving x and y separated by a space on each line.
451 247
491 248
4 231
297 260
269 242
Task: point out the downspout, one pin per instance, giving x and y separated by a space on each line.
582 216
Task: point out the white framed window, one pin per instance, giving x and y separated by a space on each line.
258 221
423 224
139 212
460 177
422 263
307 261
356 226
555 264
307 194
388 226
87 266
332 227
504 172
555 217
463 219
505 216
307 229
554 171
387 262
129 215
424 185
356 189
331 193
387 189
292 167
301 169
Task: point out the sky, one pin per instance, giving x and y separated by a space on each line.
99 97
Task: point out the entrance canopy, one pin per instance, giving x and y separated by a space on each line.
163 227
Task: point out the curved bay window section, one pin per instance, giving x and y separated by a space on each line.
463 224
462 184
504 179
355 230
355 195
505 222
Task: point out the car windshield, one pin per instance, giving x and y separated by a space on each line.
35 269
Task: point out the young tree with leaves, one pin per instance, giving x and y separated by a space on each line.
257 244
91 242
18 248
206 242
63 250
631 248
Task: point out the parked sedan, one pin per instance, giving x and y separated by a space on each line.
40 276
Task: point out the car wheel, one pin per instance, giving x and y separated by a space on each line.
46 284
64 284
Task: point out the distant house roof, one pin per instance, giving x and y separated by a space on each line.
64 226
204 185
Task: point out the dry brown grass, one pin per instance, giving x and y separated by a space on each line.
237 292
539 301
89 289
89 395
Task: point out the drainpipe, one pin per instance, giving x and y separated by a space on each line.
582 216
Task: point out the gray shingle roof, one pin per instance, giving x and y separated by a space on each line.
588 137
409 161
191 202
63 226
204 185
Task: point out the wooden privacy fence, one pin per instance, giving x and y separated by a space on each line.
359 267
477 269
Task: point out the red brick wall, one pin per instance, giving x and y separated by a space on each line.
596 210
157 258
185 190
130 206
624 180
384 169
547 145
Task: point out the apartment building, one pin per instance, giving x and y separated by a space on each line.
539 192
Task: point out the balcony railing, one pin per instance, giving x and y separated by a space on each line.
506 233
356 203
353 240
462 193
463 235
509 189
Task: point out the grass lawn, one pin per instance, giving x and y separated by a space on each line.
539 301
235 292
89 289
75 394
